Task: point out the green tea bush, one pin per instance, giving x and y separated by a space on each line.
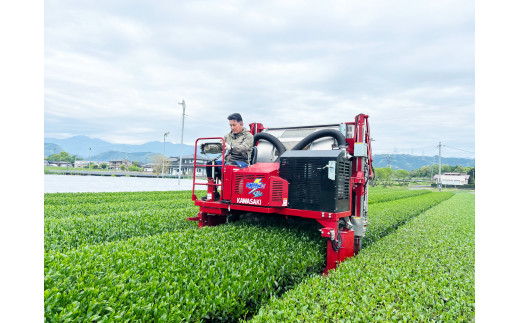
99 197
58 205
72 232
424 272
390 195
88 209
51 199
114 261
385 217
219 273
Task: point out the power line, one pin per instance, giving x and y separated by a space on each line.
206 121
471 152
194 117
408 148
422 148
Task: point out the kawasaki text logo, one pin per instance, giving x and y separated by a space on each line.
244 200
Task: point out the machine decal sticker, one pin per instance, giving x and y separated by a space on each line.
257 193
255 186
249 201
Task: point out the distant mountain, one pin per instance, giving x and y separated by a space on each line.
105 151
411 162
79 145
51 149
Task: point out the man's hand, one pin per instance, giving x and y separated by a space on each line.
229 148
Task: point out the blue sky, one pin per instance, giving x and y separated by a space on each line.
116 70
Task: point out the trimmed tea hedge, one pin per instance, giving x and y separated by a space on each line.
225 272
88 209
58 205
425 271
390 195
221 273
62 233
61 205
105 197
72 232
385 217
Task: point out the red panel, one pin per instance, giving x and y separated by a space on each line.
250 208
347 246
346 250
264 168
227 181
250 188
219 211
278 191
252 185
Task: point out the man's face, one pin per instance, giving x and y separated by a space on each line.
236 127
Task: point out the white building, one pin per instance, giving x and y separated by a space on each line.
452 179
187 165
148 168
84 163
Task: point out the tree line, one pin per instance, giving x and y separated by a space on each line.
386 176
64 156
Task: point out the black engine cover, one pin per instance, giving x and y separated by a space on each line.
310 187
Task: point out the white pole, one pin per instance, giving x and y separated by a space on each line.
439 183
182 138
164 151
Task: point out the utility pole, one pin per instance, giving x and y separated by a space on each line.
164 151
439 183
89 151
182 137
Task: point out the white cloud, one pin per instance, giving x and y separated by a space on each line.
116 71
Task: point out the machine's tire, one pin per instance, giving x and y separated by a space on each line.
340 138
273 140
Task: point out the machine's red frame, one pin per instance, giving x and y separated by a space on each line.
214 212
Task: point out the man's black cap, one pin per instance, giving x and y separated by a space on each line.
235 116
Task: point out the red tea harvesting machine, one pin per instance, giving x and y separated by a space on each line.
316 172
